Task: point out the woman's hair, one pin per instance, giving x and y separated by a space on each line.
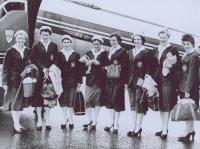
46 29
142 38
189 38
118 37
21 32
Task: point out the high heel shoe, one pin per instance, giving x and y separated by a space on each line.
86 125
115 130
39 128
137 134
187 137
48 128
163 136
158 133
107 129
17 130
71 126
130 133
63 126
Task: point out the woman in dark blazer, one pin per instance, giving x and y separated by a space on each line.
115 86
189 85
139 65
95 60
167 77
68 62
43 54
14 68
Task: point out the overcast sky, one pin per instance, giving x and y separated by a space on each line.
180 14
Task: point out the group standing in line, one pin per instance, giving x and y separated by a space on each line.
175 78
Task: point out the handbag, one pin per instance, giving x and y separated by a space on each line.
79 104
48 91
113 71
153 103
185 110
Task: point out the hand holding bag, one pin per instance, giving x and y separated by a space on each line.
185 110
48 91
79 104
113 71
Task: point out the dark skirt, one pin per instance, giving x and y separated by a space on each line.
93 96
138 102
67 97
115 95
167 98
14 99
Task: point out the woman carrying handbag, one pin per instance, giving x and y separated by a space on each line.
14 71
71 74
117 75
189 86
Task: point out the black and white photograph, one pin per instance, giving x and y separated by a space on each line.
99 74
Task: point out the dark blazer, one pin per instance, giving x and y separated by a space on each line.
172 79
70 70
42 58
189 75
121 57
139 66
97 75
13 65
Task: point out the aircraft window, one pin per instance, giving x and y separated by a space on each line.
15 6
2 13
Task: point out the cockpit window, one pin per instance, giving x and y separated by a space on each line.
15 6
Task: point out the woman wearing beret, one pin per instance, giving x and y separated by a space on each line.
166 74
43 54
68 62
95 60
139 66
189 86
14 70
117 75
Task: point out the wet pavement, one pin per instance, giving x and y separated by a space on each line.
80 139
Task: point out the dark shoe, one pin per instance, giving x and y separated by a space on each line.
63 126
130 133
93 127
163 136
86 125
115 131
48 128
187 137
107 129
137 134
158 133
39 128
71 126
17 131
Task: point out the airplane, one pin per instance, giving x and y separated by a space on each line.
83 20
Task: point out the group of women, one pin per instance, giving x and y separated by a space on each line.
172 78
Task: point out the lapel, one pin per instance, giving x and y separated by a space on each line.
43 48
139 55
116 54
72 56
163 56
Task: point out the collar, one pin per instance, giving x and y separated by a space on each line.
45 44
137 51
96 54
160 47
19 50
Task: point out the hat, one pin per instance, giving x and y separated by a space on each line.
46 28
166 31
67 37
97 37
21 32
